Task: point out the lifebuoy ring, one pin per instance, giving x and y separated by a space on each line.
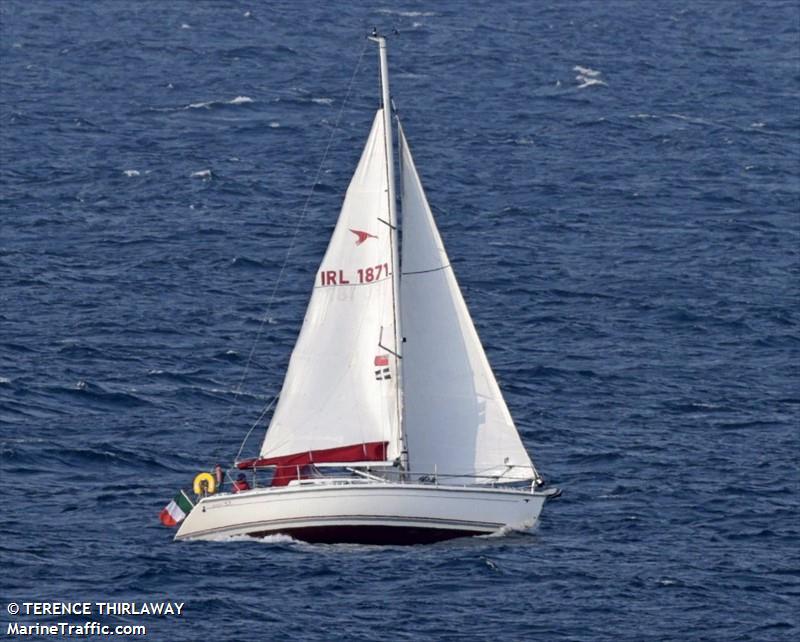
208 480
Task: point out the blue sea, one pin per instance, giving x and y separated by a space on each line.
618 187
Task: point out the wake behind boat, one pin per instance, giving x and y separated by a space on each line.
390 426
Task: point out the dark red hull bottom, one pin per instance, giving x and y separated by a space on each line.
381 535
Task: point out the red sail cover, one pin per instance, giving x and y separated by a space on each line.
289 467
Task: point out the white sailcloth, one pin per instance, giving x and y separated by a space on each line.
340 387
455 418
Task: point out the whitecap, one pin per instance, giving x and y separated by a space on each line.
588 82
185 26
587 77
278 538
4 380
757 125
691 119
269 539
407 14
131 172
239 100
322 101
274 124
528 526
203 173
585 71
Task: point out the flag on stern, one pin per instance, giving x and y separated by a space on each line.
175 512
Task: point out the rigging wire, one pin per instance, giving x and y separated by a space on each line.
256 423
265 318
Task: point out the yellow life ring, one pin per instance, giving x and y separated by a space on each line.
210 483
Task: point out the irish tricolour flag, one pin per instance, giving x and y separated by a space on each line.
174 512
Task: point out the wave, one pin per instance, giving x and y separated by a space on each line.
586 71
239 100
587 76
98 396
588 82
407 14
528 528
209 104
244 262
172 375
280 538
28 456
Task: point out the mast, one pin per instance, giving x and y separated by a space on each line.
386 102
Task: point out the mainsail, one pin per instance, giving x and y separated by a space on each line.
339 398
455 418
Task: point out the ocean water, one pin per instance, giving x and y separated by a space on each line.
618 185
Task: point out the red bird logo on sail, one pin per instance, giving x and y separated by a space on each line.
362 236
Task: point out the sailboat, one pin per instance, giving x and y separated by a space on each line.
390 427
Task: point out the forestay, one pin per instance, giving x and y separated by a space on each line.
455 418
340 387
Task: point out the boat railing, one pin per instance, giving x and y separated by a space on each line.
308 474
434 477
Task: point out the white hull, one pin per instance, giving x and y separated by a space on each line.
363 511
